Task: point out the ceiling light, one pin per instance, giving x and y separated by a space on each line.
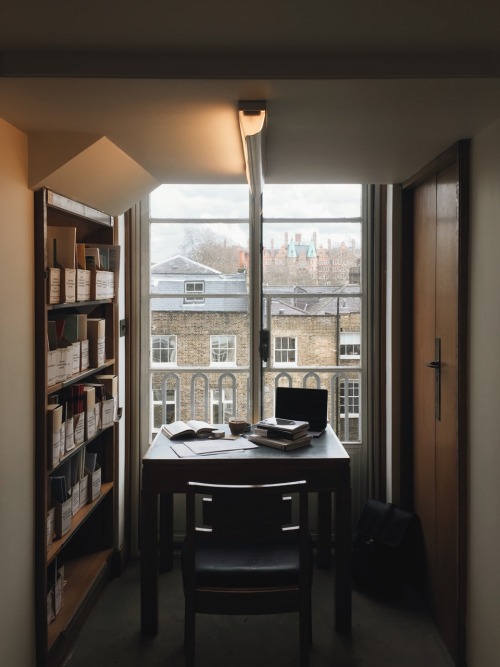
252 117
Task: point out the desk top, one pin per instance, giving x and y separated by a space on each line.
325 446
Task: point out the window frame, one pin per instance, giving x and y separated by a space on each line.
355 397
287 363
194 299
164 364
229 362
354 335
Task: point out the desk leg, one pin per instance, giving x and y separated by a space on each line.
166 531
149 563
343 592
324 530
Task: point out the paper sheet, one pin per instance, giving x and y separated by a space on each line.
206 447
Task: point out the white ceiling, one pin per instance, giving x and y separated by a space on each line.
123 96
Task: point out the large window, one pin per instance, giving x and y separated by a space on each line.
206 309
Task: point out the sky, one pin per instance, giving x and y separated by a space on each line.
231 201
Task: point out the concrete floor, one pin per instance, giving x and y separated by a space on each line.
386 633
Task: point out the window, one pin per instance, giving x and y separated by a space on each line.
352 398
163 349
195 288
221 406
206 307
350 344
163 407
223 350
285 350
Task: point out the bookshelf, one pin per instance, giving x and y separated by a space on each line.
75 549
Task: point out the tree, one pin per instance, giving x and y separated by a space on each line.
205 246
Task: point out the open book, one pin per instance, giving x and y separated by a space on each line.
188 429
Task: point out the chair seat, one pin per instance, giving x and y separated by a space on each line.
243 563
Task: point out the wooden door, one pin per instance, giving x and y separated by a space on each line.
438 389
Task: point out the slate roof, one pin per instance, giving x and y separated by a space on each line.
169 277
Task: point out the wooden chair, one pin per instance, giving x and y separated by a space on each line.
242 555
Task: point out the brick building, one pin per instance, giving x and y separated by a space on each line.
200 347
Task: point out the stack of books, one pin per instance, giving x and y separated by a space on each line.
284 434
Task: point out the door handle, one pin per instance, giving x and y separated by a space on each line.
436 365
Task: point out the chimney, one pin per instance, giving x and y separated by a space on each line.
298 239
241 264
286 239
315 239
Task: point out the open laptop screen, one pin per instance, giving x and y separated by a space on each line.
309 405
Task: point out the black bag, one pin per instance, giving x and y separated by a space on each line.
385 553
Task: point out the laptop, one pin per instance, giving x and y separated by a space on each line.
310 405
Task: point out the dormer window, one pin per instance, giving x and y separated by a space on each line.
194 289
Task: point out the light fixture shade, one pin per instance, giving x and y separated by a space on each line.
252 118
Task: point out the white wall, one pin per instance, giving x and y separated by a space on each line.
17 632
483 639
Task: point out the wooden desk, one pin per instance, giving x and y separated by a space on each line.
324 465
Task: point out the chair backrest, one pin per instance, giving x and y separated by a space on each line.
246 510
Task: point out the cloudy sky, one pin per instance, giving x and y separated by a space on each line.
207 202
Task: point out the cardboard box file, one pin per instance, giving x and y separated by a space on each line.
82 285
102 285
53 285
110 383
84 355
61 251
107 412
55 434
63 514
96 331
75 498
79 428
68 285
84 490
95 484
89 404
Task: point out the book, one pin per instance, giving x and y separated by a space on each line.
188 429
284 444
277 433
285 425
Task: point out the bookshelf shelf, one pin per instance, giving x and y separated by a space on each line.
83 557
78 377
83 576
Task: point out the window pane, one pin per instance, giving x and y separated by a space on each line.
312 253
312 201
199 201
199 294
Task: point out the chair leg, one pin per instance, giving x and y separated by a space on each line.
189 635
305 635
